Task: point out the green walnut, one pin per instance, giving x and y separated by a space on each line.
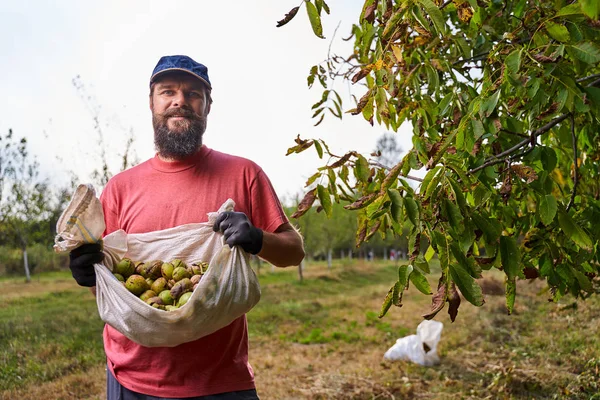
179 273
166 270
136 284
125 267
184 299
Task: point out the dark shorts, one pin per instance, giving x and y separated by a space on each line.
114 391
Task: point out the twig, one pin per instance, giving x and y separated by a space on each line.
498 157
445 4
331 41
585 78
380 165
597 81
575 181
514 133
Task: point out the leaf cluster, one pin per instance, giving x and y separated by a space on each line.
504 102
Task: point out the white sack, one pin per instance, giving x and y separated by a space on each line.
228 290
420 348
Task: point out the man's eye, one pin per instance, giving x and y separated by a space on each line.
194 94
167 92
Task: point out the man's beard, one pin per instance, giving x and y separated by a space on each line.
182 141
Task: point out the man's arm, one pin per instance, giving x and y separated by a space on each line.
284 247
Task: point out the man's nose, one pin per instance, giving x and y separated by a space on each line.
179 100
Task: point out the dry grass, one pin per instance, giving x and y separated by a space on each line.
543 351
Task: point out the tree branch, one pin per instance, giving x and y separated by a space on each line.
445 4
376 164
540 131
585 78
575 181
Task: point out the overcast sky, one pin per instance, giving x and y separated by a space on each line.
258 73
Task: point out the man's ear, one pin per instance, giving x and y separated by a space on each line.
208 108
151 103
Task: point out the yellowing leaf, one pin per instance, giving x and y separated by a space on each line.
398 54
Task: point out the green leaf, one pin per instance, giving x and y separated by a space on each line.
487 107
571 9
315 19
444 105
547 209
404 272
435 14
574 231
325 199
490 231
587 52
458 194
420 282
467 285
361 169
583 280
389 298
509 254
455 219
513 61
465 262
427 179
591 8
319 148
396 208
435 181
478 129
558 32
511 291
422 264
412 210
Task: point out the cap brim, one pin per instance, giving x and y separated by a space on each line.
164 71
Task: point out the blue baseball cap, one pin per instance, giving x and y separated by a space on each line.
180 63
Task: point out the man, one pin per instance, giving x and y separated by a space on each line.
181 184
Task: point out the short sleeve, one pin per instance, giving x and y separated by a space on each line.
266 210
111 217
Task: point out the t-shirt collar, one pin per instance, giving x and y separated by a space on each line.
179 165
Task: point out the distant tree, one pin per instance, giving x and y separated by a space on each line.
388 151
504 102
24 205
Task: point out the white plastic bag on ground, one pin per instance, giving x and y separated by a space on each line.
420 348
228 290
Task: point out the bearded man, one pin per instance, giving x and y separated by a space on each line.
181 184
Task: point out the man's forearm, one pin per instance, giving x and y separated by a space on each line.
282 249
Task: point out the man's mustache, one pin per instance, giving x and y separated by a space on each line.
180 112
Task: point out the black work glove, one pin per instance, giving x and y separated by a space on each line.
81 263
239 231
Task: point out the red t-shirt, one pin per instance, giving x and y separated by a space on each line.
157 195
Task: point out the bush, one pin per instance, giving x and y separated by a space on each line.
41 259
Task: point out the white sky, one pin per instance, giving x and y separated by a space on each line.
258 73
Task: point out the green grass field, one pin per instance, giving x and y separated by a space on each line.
321 339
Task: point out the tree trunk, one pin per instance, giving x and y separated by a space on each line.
26 265
329 258
385 254
300 268
350 254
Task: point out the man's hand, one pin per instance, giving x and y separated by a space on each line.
81 263
239 231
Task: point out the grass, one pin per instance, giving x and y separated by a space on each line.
321 339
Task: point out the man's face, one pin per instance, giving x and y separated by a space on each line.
179 104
